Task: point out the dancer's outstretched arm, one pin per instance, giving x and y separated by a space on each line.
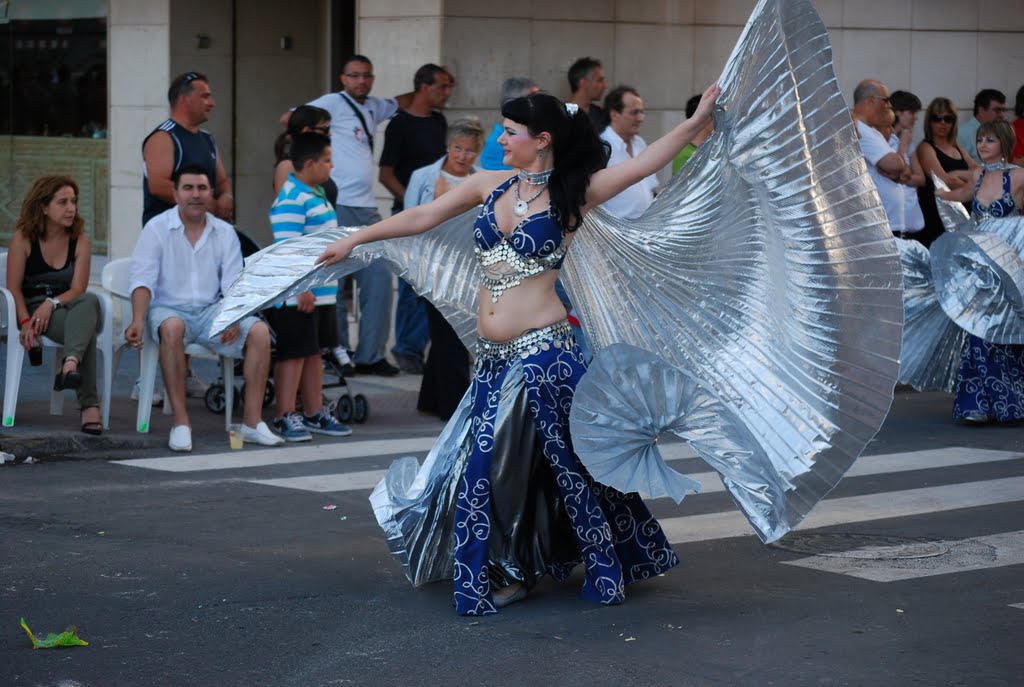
419 219
613 180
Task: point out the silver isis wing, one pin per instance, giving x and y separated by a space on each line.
441 265
767 270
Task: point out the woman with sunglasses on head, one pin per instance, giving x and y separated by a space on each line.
303 119
990 384
941 155
517 503
47 272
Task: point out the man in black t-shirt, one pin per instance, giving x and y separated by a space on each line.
415 138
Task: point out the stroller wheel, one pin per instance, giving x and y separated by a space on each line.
343 409
215 399
360 408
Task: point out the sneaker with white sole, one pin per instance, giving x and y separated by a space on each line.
158 394
325 423
195 387
260 434
292 428
180 439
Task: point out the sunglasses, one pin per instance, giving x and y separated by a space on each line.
190 77
946 119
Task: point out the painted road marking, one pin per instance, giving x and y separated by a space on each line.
866 465
840 511
999 550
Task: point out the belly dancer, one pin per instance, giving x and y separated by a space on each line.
508 500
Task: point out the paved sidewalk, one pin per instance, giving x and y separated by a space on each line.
392 404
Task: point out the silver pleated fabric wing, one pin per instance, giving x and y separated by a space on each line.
767 270
953 214
979 278
440 264
932 343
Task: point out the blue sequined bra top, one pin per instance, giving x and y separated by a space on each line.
1003 206
536 245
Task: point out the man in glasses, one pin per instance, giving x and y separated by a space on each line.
989 106
625 110
873 112
355 116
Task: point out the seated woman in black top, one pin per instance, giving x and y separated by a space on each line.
48 272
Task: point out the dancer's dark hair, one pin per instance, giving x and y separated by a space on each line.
577 149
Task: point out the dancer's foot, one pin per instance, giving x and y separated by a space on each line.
509 595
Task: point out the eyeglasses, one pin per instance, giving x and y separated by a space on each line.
945 119
359 75
459 150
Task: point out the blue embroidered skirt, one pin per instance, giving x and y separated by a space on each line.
990 384
502 498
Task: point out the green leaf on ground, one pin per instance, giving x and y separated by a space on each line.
68 637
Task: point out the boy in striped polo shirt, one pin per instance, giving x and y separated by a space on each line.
302 208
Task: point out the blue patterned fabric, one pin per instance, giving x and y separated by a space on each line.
617 537
1003 206
990 383
536 236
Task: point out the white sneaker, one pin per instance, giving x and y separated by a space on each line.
261 435
195 387
158 393
181 438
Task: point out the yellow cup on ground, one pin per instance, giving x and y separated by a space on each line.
235 435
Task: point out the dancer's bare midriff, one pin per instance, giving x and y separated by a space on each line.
530 305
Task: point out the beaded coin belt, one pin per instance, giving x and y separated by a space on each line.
531 342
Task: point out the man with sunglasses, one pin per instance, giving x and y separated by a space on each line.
989 106
873 112
355 116
179 142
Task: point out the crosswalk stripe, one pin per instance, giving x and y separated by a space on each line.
866 465
1008 548
290 455
286 455
881 506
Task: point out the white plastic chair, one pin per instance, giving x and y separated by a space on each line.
16 354
116 280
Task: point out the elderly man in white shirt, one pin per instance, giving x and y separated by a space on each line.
184 260
625 108
886 167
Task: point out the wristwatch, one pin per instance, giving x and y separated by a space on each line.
55 301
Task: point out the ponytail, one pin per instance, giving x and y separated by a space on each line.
578 151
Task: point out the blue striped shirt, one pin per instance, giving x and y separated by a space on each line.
303 209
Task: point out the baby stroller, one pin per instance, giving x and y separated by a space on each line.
347 408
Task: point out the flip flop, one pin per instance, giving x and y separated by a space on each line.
93 428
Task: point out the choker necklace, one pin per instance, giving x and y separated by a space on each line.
535 178
521 207
994 166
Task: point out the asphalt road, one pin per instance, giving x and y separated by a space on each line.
228 570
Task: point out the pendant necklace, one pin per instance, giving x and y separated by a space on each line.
521 207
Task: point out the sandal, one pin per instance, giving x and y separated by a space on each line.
67 380
93 427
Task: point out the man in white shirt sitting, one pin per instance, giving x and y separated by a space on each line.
184 260
625 109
